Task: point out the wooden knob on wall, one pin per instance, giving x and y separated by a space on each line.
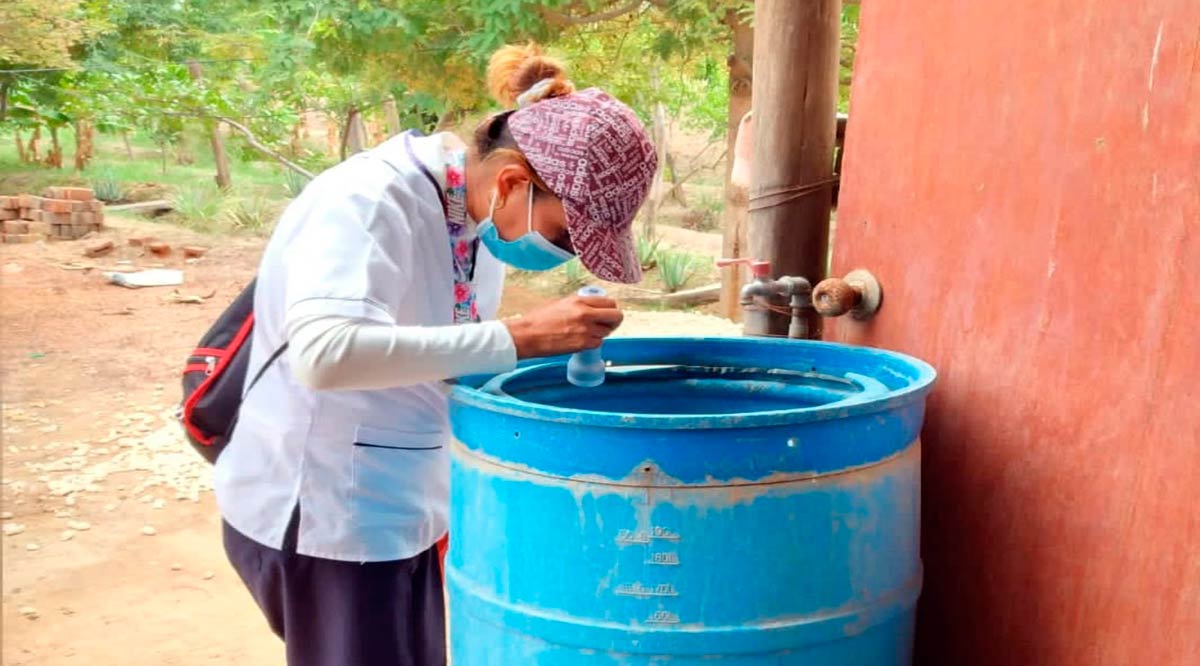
835 297
859 294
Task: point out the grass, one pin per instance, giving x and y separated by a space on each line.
260 187
199 206
255 215
111 162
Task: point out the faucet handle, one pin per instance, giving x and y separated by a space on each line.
760 269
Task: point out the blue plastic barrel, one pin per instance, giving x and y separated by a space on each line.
730 501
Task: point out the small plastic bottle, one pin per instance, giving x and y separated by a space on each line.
586 368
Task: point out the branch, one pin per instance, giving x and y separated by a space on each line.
561 19
253 141
698 169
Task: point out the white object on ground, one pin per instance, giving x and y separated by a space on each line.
157 277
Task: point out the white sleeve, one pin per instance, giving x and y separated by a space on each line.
329 351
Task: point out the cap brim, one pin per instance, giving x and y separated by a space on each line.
609 254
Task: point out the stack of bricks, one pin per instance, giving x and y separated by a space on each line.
64 213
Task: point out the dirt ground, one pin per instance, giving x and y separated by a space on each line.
111 550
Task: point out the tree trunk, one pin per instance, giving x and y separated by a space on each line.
128 146
31 149
84 134
333 141
658 135
734 241
162 149
20 146
220 159
676 192
54 157
356 134
795 118
4 101
392 116
346 131
295 147
223 178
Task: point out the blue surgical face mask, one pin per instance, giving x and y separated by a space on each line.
530 252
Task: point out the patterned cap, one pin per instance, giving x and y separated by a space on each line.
593 153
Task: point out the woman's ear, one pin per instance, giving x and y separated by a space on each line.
508 178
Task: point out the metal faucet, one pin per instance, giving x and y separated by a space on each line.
764 295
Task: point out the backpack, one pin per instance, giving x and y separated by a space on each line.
215 375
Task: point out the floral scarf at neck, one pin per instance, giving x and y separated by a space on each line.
463 241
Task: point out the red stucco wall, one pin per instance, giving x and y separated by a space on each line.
1024 179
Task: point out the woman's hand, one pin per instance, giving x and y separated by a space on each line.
565 326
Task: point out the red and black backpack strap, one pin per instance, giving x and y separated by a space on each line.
214 376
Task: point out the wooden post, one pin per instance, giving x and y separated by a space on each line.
734 242
796 48
223 179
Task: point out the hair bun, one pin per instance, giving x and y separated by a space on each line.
515 70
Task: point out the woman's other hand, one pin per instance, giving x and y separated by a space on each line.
565 326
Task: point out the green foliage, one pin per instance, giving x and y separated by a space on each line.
42 33
849 49
199 205
647 251
675 268
108 188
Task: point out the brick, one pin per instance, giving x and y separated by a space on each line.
16 227
57 205
79 206
8 214
159 249
78 193
95 206
34 215
52 193
9 203
83 218
193 251
138 241
30 201
56 218
80 230
21 238
98 248
40 228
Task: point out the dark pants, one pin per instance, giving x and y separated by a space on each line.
333 613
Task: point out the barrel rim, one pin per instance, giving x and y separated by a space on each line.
920 382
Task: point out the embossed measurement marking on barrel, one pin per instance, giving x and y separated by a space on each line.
666 558
644 591
662 617
632 537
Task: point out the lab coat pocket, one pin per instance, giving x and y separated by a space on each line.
396 473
